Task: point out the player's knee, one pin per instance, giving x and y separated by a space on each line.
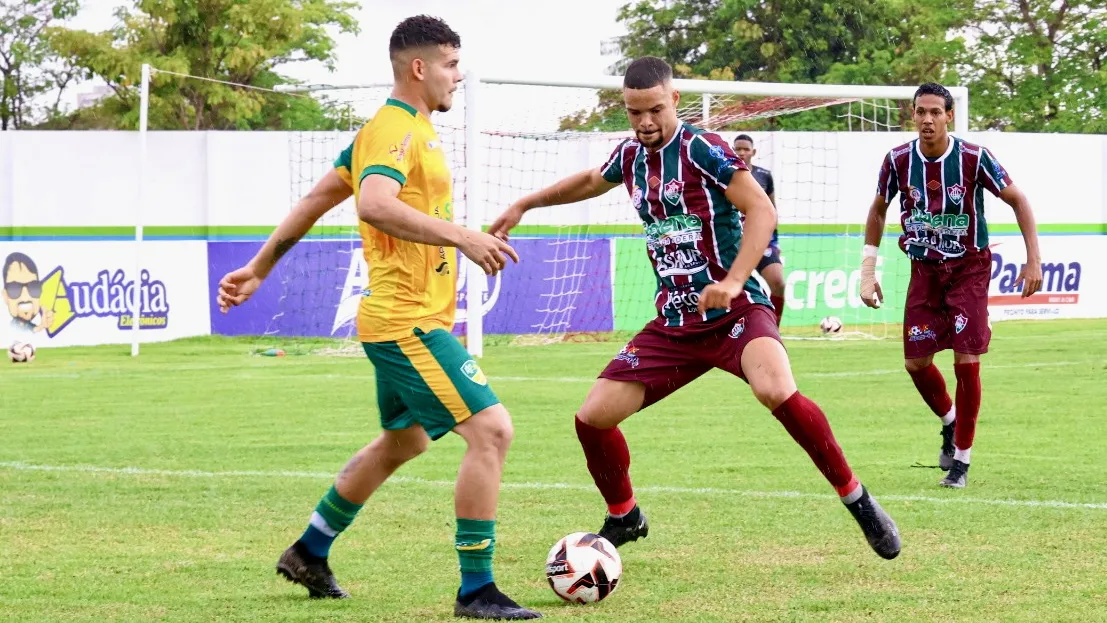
772 395
493 430
917 365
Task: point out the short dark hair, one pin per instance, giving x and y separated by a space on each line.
17 258
933 88
421 31
646 73
743 137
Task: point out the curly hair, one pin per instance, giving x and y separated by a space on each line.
421 31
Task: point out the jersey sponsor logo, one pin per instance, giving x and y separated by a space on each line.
680 300
896 153
920 332
636 198
678 229
717 152
473 372
960 322
956 193
466 546
673 190
916 194
654 181
933 185
951 224
629 355
739 328
399 150
681 262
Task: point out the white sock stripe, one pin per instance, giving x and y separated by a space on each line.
854 495
321 525
20 466
961 455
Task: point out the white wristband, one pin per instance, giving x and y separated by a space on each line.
869 251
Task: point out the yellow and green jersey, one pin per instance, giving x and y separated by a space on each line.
411 285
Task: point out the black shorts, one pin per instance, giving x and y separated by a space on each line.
772 256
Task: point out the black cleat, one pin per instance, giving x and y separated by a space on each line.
880 531
629 527
298 566
945 456
489 603
957 477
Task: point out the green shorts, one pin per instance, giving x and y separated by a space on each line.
427 379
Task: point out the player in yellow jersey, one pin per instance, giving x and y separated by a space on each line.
427 385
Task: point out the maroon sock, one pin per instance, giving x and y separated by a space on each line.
932 387
778 305
609 463
806 423
968 403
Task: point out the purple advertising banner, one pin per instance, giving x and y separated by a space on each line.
314 292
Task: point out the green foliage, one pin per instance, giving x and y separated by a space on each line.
1030 65
238 41
1039 66
28 66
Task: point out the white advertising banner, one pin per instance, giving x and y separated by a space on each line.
67 293
1074 273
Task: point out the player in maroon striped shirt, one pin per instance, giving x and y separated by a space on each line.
941 181
690 190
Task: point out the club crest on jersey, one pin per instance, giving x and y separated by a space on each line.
739 328
473 372
960 322
673 190
956 193
398 151
916 194
636 198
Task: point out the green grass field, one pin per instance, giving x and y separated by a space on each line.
163 488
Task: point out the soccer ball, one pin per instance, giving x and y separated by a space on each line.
583 568
830 325
21 352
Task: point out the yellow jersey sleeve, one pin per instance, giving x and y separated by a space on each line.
343 163
388 149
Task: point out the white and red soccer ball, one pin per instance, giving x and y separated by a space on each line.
830 325
21 352
583 568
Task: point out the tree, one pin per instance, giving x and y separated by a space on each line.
28 65
1038 65
855 41
244 42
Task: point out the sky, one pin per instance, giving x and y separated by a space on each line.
522 38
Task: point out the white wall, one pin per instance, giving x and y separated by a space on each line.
82 179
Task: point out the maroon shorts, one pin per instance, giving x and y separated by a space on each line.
665 359
947 306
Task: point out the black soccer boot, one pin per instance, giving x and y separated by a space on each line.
945 456
957 477
298 566
629 527
880 531
489 603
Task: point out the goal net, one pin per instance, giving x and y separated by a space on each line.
585 274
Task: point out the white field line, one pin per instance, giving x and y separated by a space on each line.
367 373
189 473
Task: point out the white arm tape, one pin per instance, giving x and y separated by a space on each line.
869 251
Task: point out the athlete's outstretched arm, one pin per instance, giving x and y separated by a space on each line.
326 194
580 186
236 286
379 205
1031 274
